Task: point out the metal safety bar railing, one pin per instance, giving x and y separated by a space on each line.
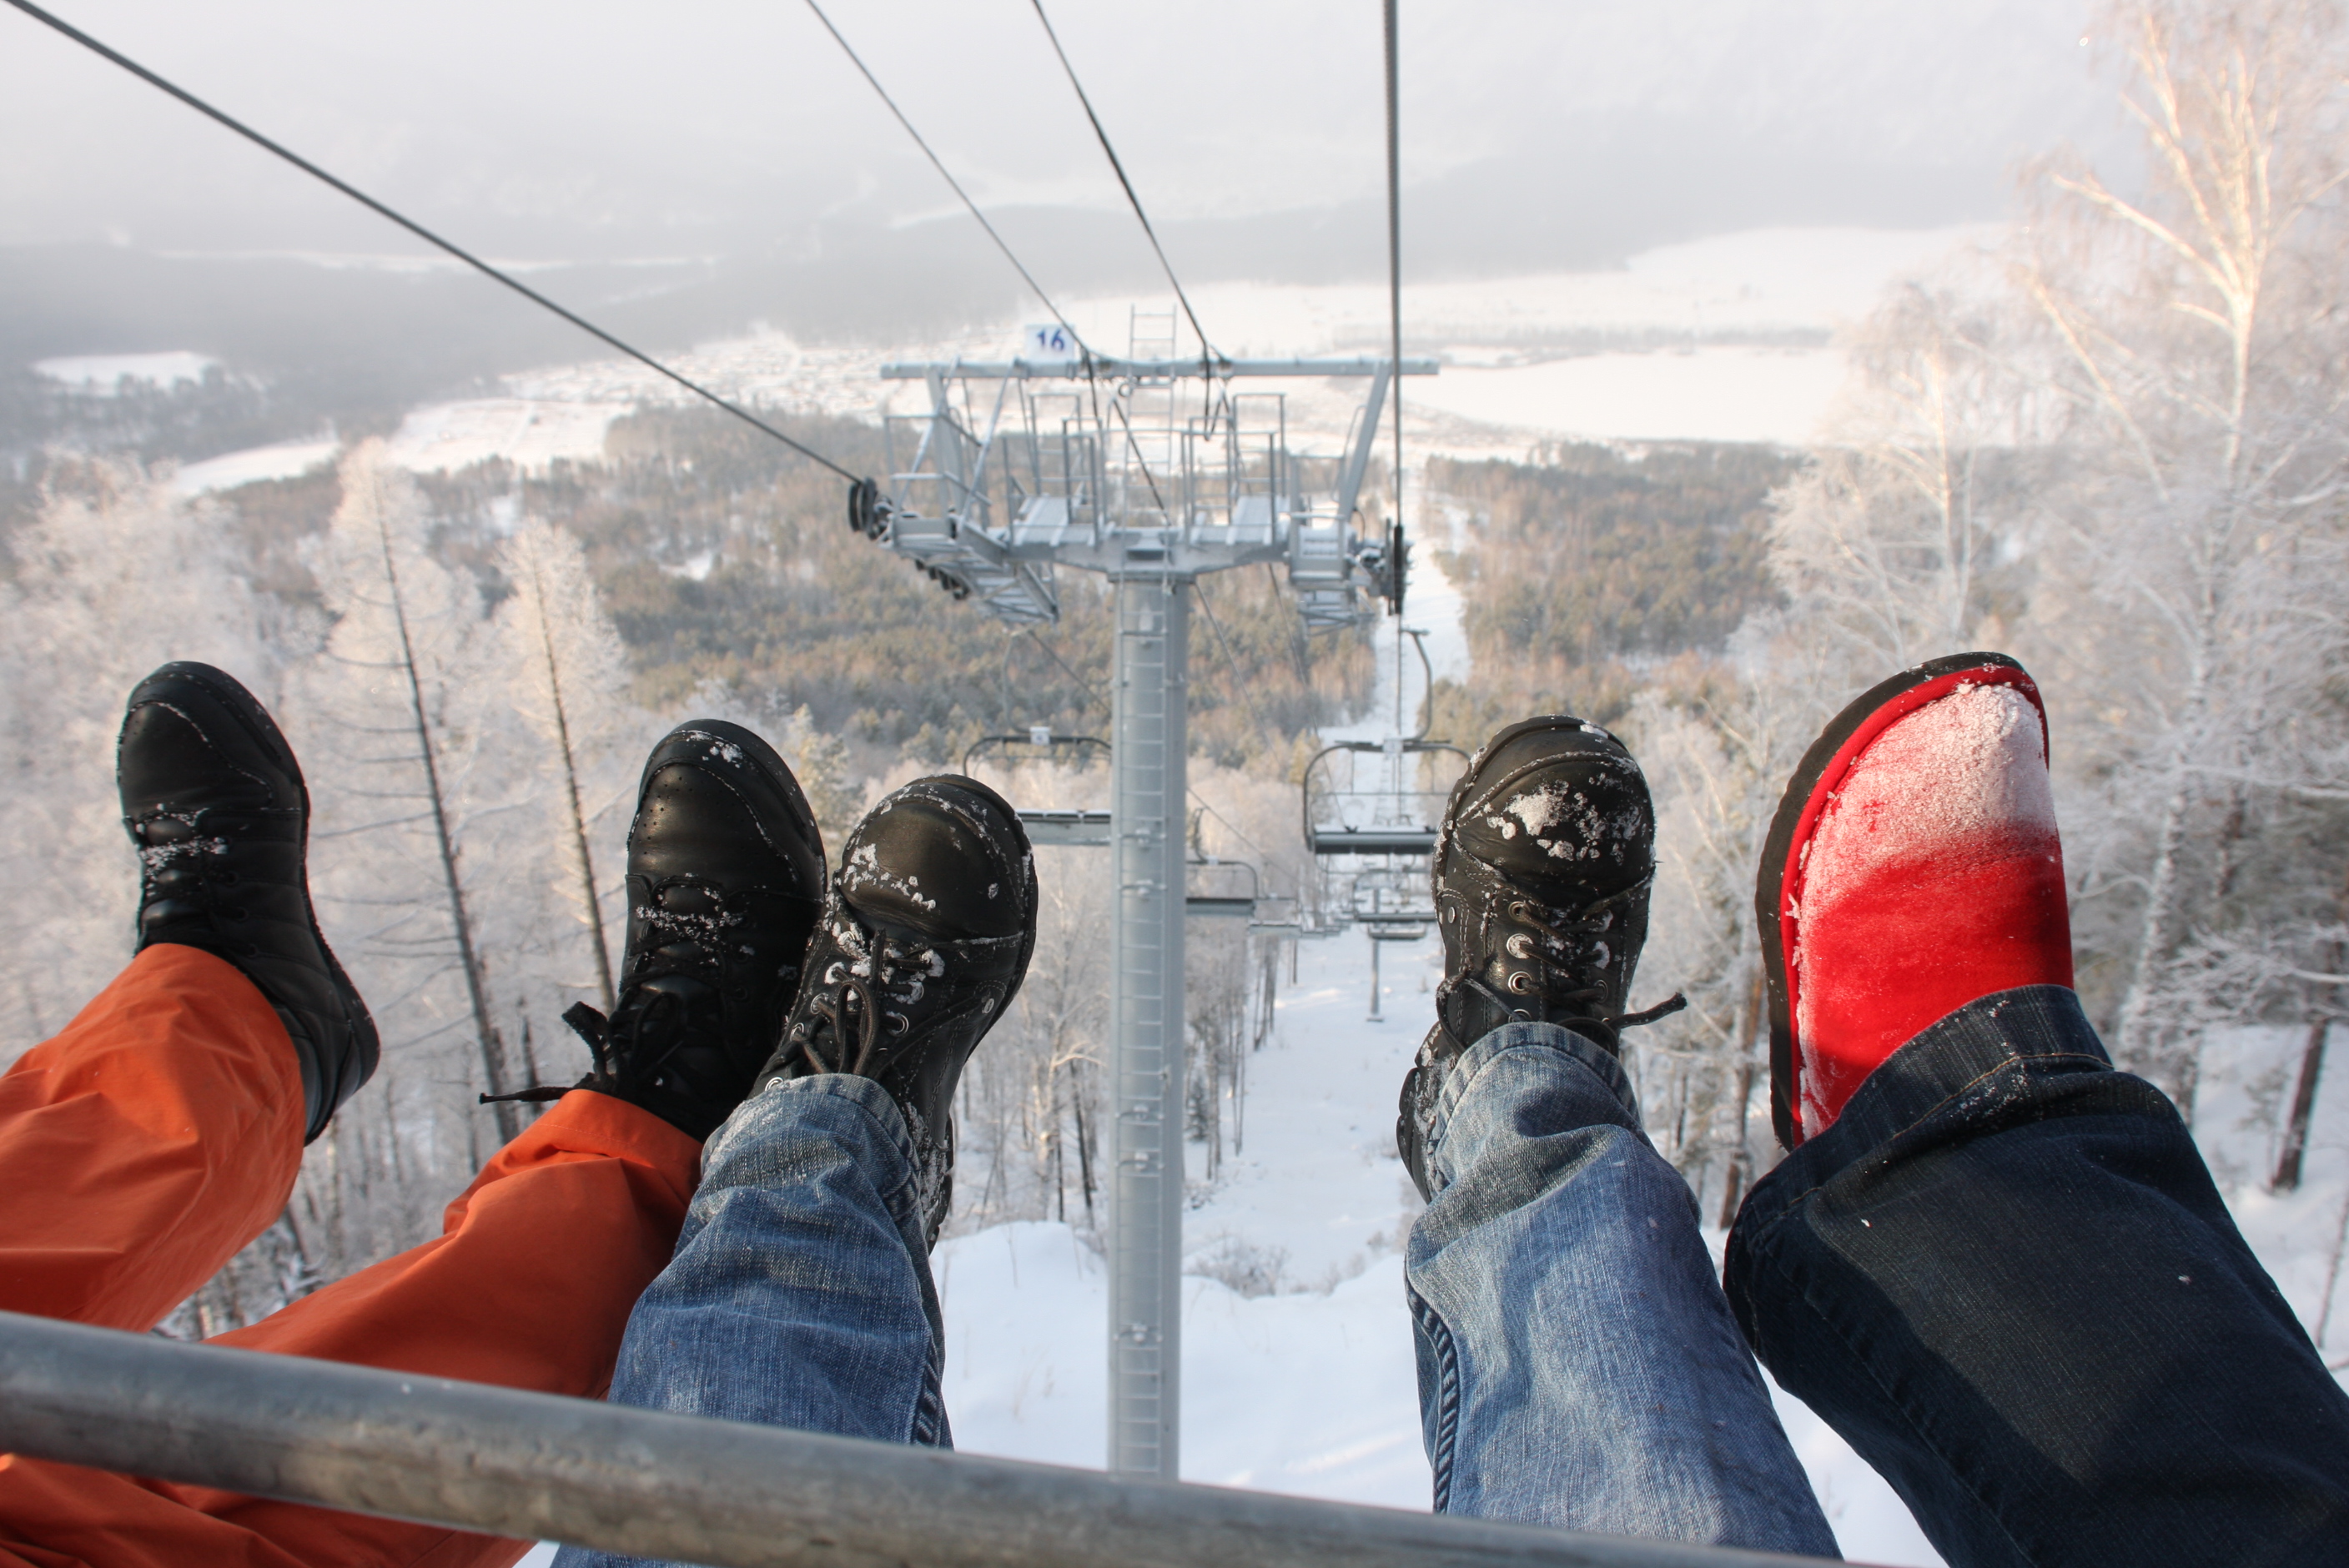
537 1466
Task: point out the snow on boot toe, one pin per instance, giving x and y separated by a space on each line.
924 941
214 802
1914 867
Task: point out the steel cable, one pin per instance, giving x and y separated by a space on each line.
944 173
1207 350
421 232
1394 290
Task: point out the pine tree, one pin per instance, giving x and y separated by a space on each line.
115 575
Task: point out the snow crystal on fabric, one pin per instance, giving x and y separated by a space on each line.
1956 770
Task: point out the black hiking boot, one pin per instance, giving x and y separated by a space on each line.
925 937
215 803
1541 873
725 880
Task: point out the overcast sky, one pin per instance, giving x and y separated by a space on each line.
1533 128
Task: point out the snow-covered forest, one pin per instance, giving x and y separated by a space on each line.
2111 439
2114 445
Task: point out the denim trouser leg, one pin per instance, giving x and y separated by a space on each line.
800 1294
1578 1364
2005 1277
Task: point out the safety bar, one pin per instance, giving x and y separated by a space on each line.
538 1466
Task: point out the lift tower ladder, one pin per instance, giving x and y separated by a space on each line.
1023 468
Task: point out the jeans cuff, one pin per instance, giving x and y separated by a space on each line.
1956 1073
1461 1079
756 1116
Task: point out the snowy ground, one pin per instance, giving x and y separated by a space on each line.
285 460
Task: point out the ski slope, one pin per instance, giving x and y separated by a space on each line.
1309 1390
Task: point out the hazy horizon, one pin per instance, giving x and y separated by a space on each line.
684 174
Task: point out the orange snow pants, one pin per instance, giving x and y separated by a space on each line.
146 1144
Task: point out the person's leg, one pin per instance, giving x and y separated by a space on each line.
162 1128
542 1258
143 1145
801 1293
2005 1276
1579 1366
528 1287
1996 1265
531 1283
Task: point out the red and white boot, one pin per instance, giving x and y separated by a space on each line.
1912 868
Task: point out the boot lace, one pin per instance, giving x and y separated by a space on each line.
629 1050
1565 948
867 992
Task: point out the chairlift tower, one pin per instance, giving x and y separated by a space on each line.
1154 471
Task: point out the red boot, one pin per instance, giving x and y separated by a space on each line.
1913 866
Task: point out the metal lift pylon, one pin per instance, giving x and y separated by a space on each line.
1023 467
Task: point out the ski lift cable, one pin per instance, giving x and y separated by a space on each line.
1394 289
1117 166
421 232
944 173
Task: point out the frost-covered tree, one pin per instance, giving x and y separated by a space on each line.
570 684
2124 460
2189 603
1888 543
402 702
116 574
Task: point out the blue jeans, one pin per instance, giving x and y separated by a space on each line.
2005 1277
1579 1366
1613 1394
800 1294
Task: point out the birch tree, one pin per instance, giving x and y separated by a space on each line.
2190 600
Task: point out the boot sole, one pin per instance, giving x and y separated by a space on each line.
1823 769
245 708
